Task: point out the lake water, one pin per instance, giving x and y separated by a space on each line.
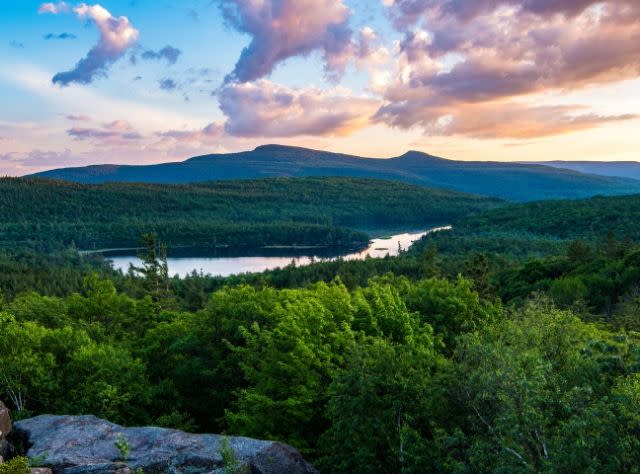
269 259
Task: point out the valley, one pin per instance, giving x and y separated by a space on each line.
328 302
223 262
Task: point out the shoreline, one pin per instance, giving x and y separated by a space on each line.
372 239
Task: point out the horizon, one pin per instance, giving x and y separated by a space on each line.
137 83
395 156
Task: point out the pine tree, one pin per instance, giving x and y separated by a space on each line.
154 269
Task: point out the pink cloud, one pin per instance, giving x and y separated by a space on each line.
116 36
408 12
281 29
207 135
505 52
53 8
119 132
16 164
266 109
512 120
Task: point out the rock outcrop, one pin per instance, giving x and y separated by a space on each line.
86 444
5 429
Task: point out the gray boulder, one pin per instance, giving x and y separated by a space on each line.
86 444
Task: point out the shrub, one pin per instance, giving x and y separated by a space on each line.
19 465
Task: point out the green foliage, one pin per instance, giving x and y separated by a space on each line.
537 388
122 445
282 211
26 369
64 370
395 376
568 291
589 219
106 381
154 269
380 407
288 363
230 462
451 308
37 461
491 354
51 274
19 465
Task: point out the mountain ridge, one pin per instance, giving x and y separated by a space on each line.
620 169
510 181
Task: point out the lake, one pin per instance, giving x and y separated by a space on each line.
223 262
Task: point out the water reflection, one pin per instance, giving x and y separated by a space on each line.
184 261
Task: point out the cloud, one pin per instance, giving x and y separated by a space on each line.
78 118
169 53
116 36
281 29
209 134
368 50
35 158
25 162
513 120
118 132
59 36
365 49
265 109
53 8
168 84
408 12
478 56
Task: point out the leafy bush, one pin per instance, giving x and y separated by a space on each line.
19 465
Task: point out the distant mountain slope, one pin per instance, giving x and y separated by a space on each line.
512 181
621 169
277 211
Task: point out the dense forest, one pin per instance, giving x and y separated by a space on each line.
313 211
520 231
509 344
584 218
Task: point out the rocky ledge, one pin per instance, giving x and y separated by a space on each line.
86 444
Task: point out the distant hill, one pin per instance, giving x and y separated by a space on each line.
511 181
278 211
621 169
588 219
522 230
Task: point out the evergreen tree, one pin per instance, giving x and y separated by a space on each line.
155 269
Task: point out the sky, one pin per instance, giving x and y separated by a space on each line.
148 81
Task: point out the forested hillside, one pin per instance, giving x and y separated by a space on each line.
508 344
431 374
543 227
585 218
279 211
510 181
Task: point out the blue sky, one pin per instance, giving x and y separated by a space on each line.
487 80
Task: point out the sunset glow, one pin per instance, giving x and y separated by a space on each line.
137 82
